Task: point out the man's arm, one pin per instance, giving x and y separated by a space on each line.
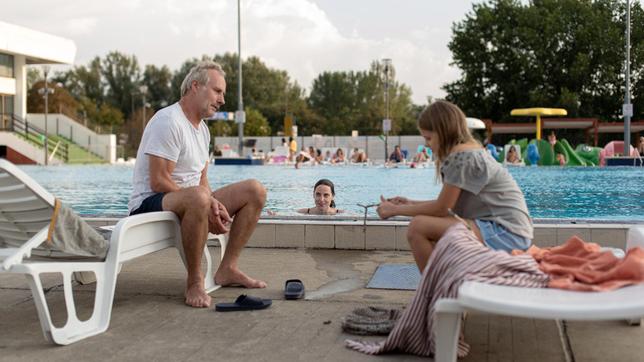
203 181
218 218
160 171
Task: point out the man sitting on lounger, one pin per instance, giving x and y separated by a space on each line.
171 174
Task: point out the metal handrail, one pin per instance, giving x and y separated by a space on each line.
36 135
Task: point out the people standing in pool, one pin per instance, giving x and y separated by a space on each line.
324 198
477 191
292 149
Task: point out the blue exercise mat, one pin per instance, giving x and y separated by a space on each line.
395 276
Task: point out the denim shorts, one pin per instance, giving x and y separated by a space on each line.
150 204
497 237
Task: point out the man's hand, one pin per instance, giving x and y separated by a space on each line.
386 209
218 219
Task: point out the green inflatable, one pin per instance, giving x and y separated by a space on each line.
589 153
572 158
583 156
546 155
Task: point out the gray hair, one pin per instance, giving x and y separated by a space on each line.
199 73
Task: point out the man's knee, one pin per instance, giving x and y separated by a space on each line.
257 190
198 198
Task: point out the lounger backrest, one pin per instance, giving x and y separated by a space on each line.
25 207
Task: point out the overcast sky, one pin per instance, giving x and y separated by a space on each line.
303 37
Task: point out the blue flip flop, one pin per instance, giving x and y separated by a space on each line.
293 289
244 302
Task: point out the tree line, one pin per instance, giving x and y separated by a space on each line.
512 54
108 94
547 53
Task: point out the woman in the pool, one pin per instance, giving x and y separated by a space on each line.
323 195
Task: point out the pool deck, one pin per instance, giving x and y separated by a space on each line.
150 322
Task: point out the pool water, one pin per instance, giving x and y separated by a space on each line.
592 193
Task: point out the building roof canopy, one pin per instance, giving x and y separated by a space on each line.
37 47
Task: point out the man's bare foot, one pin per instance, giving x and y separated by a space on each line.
232 276
196 296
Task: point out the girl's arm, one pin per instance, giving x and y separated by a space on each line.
446 200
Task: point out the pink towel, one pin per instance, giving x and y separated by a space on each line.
578 265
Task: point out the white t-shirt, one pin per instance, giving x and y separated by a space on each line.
170 135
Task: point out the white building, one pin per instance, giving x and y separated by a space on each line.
20 47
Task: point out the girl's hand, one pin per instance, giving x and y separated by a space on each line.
386 209
399 200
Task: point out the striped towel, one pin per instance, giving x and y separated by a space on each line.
458 257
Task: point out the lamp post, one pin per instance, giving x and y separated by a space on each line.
45 93
386 123
240 116
144 91
627 108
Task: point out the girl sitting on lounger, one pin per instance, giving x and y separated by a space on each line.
475 186
324 197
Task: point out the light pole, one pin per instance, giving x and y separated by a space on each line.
144 91
45 93
627 108
386 123
240 116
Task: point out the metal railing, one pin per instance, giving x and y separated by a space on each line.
56 146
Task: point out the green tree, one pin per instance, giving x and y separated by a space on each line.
552 53
158 81
85 81
60 101
270 91
122 75
332 97
355 101
33 76
256 124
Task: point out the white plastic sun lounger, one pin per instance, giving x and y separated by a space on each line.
541 303
25 213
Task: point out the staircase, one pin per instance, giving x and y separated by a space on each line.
59 149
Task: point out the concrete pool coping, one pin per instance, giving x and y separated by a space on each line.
354 233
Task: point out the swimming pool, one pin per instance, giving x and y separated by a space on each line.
592 193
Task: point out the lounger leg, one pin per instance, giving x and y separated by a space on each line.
209 275
210 272
634 322
75 329
41 304
447 329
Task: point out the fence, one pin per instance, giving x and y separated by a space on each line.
36 135
103 145
374 146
